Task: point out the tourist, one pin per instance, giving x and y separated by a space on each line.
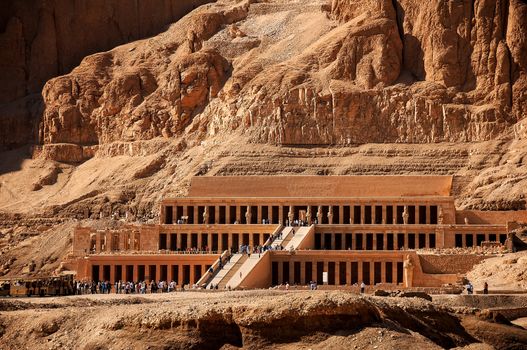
362 287
287 286
470 288
485 288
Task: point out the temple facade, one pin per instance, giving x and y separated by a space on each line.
335 230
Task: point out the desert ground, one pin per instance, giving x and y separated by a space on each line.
263 319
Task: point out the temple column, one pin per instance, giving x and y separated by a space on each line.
333 241
383 271
303 272
135 273
251 241
362 214
314 271
229 240
372 273
337 273
364 240
192 274
341 214
394 214
373 214
281 214
196 215
463 240
427 240
259 214
200 241
360 271
323 240
112 274
417 215
270 213
209 241
325 269
353 241
385 241
291 272
352 214
406 245
374 241
395 241
179 280
216 214
394 272
185 210
348 273
238 214
427 214
228 220
280 272
383 218
170 277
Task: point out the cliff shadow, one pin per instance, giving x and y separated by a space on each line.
11 160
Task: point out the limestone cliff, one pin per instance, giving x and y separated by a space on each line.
43 39
306 72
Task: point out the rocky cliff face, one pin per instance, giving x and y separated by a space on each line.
43 39
306 72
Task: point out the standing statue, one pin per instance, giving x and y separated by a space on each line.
408 267
308 215
319 214
291 215
330 215
440 216
466 221
405 215
206 215
248 215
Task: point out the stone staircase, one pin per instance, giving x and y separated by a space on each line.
229 270
297 240
287 235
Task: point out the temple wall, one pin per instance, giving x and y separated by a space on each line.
490 217
448 264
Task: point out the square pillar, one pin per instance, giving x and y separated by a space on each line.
383 219
341 214
406 240
394 214
259 214
360 271
348 273
385 241
337 273
395 241
374 240
372 273
196 215
303 272
333 241
383 271
417 216
135 273
112 274
281 214
216 214
323 240
427 240
394 272
364 241
314 271
291 272
192 274
362 214
427 214
325 269
352 214
353 241
280 272
228 214
200 241
238 214
373 214
209 241
270 213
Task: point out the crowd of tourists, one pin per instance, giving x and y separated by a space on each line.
124 287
